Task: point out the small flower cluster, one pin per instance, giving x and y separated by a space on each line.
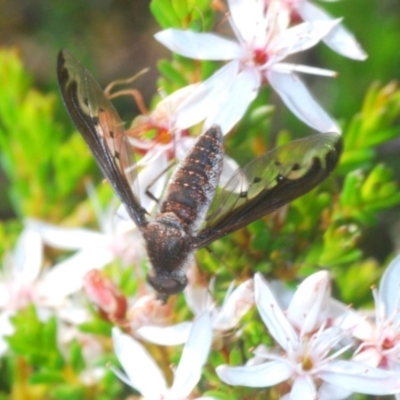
322 349
264 38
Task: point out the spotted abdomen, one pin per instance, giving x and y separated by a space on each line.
193 184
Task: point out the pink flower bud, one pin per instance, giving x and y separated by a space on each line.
105 295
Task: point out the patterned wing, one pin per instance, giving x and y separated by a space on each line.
99 124
269 182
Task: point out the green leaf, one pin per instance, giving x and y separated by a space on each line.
171 73
46 377
235 357
164 14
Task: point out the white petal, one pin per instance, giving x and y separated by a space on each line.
308 309
194 356
28 256
360 378
303 388
198 299
166 336
67 238
305 69
299 100
344 316
183 146
66 277
229 168
283 292
143 373
339 39
272 315
301 37
332 392
206 398
246 17
363 329
261 353
262 375
389 287
200 46
277 19
233 103
370 356
235 306
204 99
168 105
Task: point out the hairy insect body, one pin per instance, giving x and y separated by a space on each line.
259 188
169 237
192 187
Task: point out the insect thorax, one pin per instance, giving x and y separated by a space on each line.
168 248
168 245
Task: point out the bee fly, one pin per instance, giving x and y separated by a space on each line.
191 215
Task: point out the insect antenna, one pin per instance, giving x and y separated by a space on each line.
137 96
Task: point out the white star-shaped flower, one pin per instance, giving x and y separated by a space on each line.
263 41
309 361
143 374
21 284
339 39
381 339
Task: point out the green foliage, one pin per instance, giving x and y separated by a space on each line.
38 365
41 161
183 14
363 197
371 127
36 341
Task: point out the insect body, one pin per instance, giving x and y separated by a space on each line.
191 214
170 237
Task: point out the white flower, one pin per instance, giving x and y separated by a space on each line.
143 374
339 39
263 41
381 340
237 303
308 363
18 281
94 251
169 141
21 285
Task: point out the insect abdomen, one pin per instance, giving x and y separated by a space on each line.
194 183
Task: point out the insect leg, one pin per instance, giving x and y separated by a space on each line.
148 192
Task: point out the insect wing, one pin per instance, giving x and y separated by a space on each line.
99 124
269 182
